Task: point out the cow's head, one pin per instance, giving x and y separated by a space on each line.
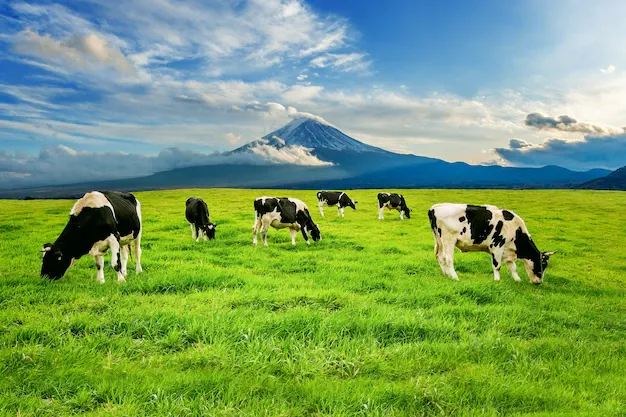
55 263
209 230
535 261
405 209
314 230
352 204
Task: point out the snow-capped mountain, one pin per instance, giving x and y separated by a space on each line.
316 134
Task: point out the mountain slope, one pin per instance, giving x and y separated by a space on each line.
616 180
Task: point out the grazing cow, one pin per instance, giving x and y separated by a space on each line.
98 221
501 233
334 198
281 213
197 214
392 201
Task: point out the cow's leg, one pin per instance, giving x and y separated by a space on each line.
401 214
448 258
114 244
292 232
264 229
341 211
198 232
193 231
138 268
496 262
124 257
321 207
255 230
381 216
304 235
204 236
513 268
100 267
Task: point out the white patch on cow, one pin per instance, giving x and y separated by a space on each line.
193 231
94 199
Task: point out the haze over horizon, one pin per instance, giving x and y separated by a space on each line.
92 86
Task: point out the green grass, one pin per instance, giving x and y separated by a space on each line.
361 323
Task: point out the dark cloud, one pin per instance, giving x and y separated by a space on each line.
567 123
592 152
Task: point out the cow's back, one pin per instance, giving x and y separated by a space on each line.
197 211
125 212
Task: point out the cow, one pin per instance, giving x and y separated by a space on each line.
501 233
98 221
197 214
283 213
334 198
392 201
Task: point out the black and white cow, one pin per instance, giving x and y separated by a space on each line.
334 198
283 213
501 233
197 214
98 221
392 201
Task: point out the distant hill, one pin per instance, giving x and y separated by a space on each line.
354 165
616 180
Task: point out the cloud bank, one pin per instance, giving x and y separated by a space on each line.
62 164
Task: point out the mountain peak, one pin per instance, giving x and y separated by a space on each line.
313 132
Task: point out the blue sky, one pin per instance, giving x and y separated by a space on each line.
84 82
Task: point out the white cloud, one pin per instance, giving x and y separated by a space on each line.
78 51
302 77
608 70
352 62
301 93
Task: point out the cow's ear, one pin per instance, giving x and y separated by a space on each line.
47 247
355 201
549 254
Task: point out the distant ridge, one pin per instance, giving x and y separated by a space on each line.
616 180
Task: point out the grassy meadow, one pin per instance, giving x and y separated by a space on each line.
361 323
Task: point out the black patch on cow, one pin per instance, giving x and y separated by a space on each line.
526 249
439 231
335 198
507 215
462 219
464 230
479 221
125 208
433 220
498 240
495 263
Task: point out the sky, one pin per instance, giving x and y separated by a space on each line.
95 89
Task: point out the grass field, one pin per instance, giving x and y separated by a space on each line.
361 323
